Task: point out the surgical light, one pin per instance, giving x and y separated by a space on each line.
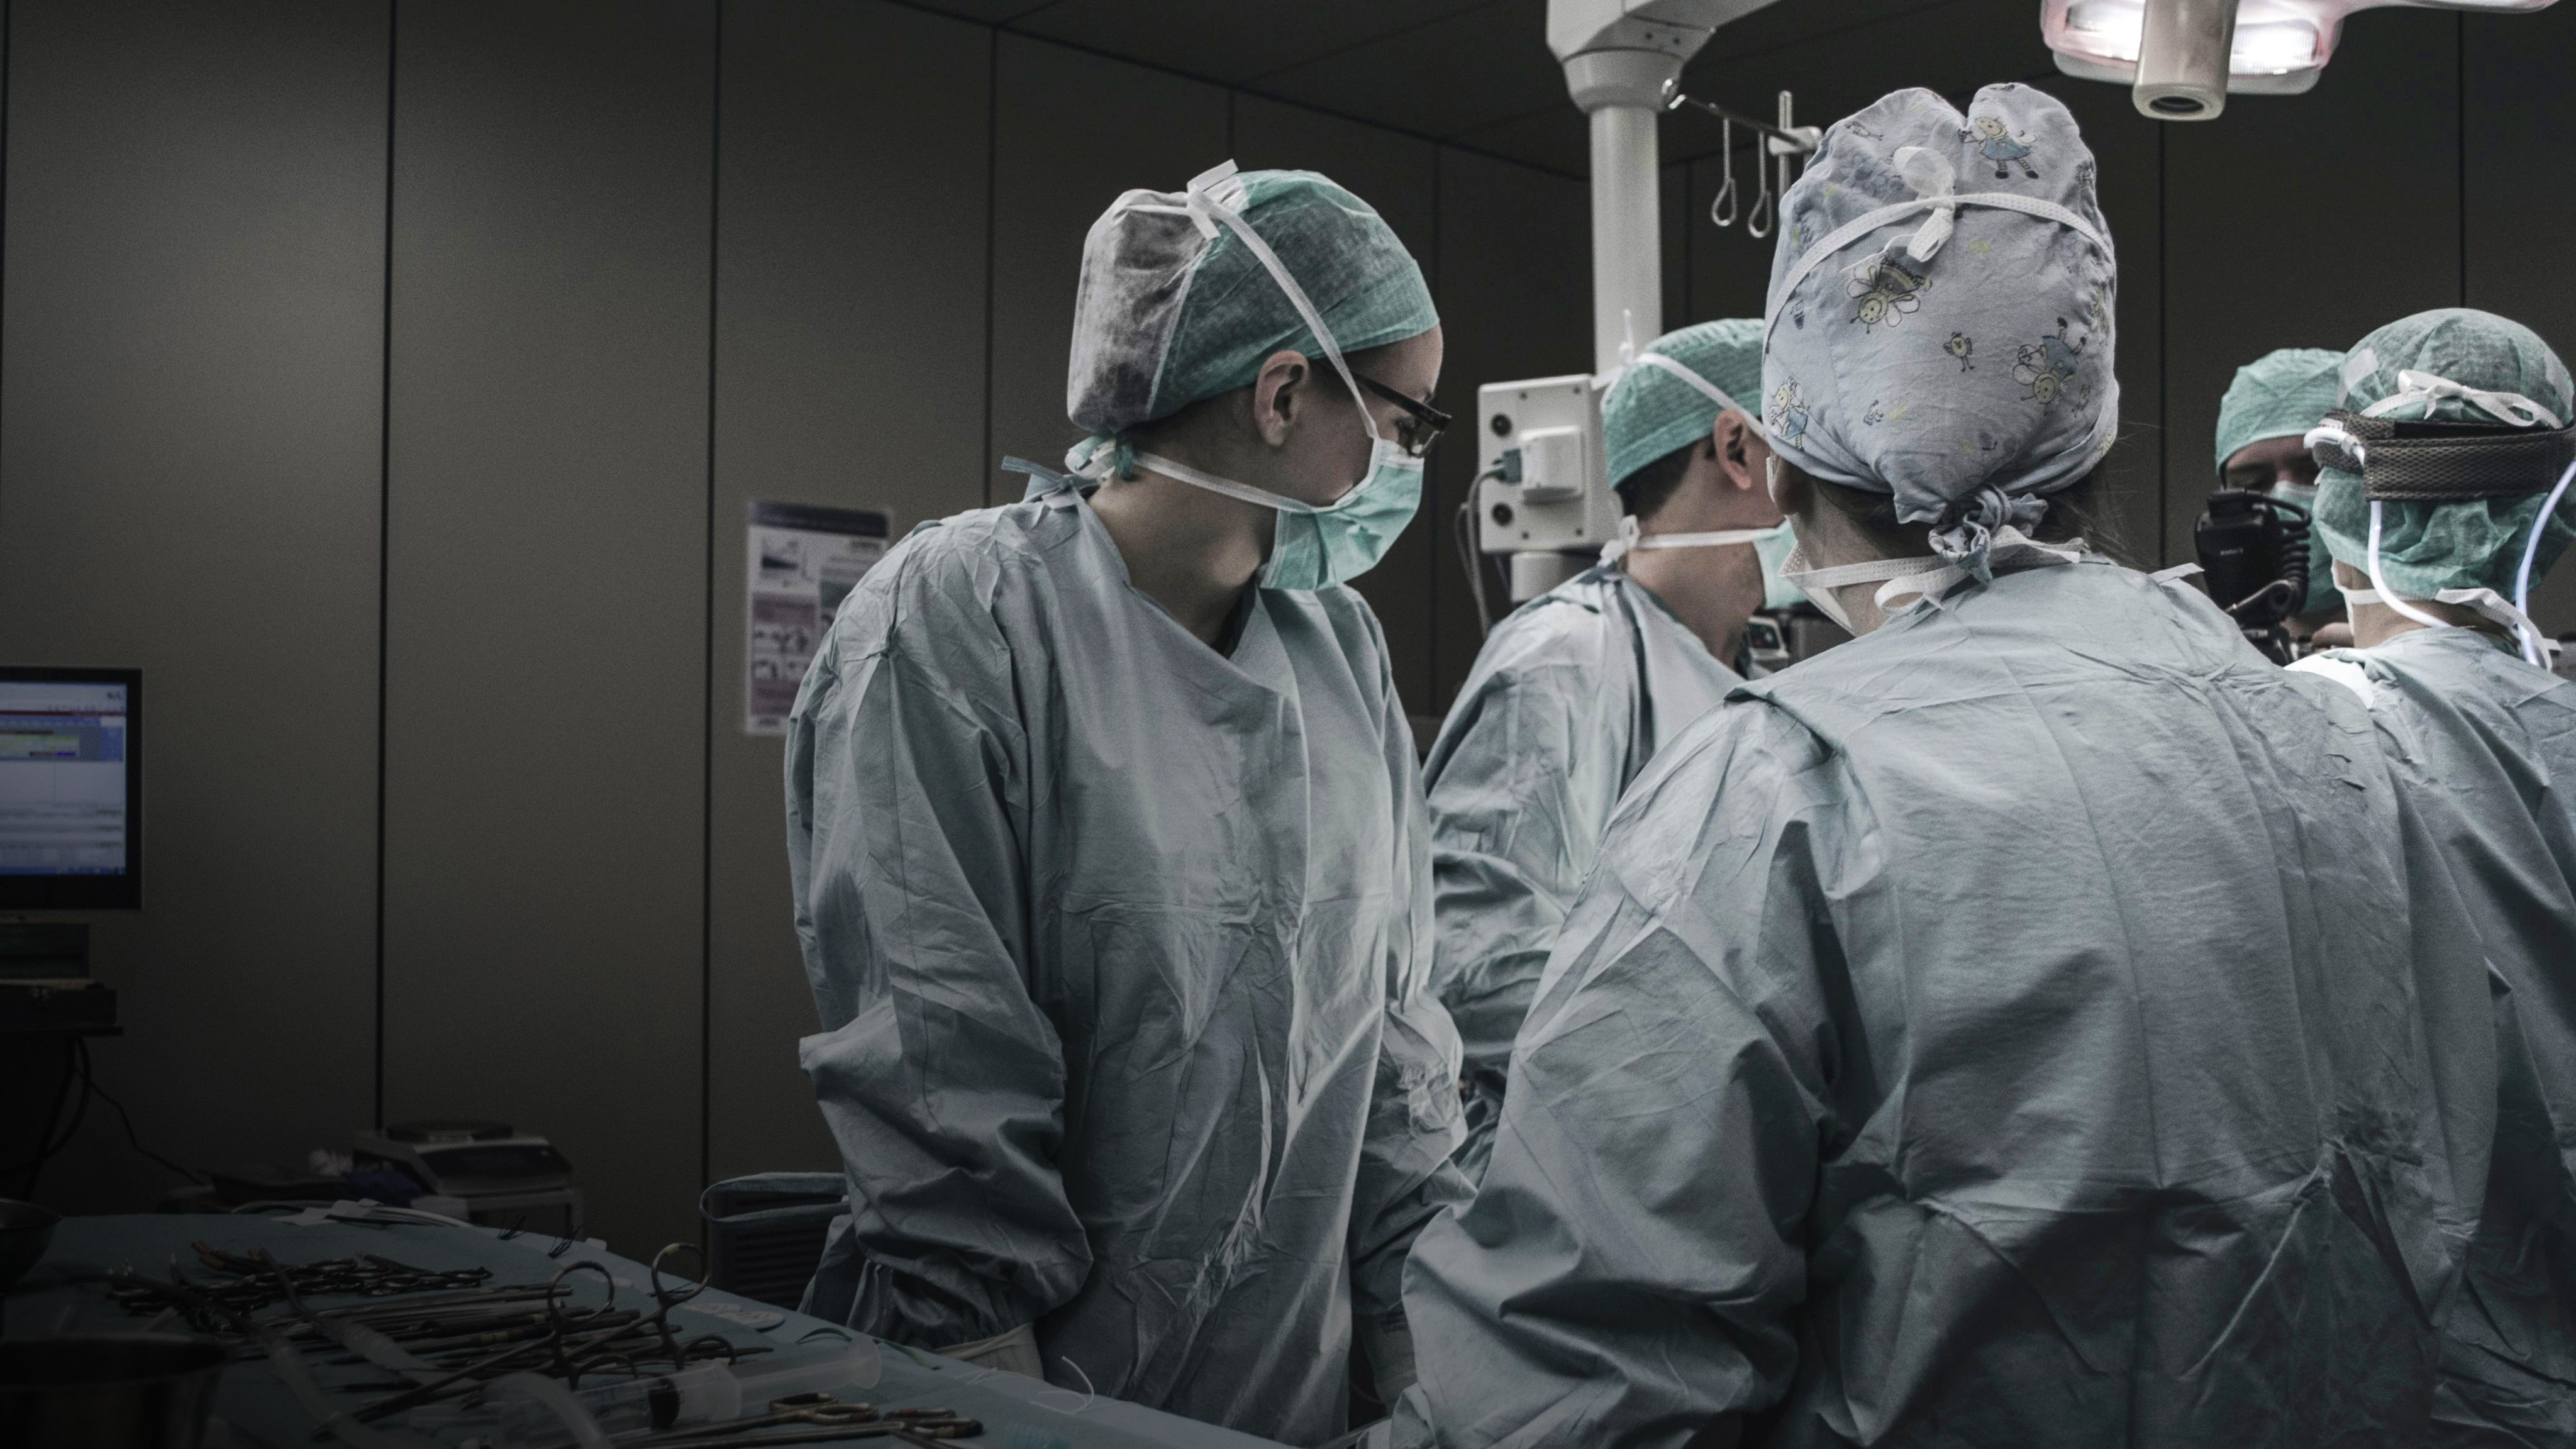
2168 51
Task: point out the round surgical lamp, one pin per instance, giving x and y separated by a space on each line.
2181 59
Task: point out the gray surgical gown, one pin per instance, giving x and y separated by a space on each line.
2039 1022
2494 740
1122 951
1567 701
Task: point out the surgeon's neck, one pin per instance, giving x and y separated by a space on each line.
1189 550
2376 624
1713 591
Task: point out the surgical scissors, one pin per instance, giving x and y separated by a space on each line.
801 1409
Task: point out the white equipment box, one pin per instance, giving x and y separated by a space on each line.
1542 483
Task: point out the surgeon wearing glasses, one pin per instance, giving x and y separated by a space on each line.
1109 852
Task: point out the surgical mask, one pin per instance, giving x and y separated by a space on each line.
1774 548
2321 585
1771 546
1314 547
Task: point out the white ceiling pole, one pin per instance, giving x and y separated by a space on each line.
1618 57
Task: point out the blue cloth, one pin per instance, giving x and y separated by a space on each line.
1567 701
1956 358
1122 950
2038 1021
2493 740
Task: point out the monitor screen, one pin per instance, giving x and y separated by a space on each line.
71 778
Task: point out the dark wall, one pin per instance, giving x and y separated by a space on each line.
389 382
192 287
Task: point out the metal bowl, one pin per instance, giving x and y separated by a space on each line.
26 1230
108 1390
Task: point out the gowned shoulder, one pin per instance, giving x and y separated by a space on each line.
936 598
1722 791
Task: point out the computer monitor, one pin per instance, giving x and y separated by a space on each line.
71 788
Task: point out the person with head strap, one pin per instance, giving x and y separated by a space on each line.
2005 1028
2263 423
2451 453
1572 693
1109 852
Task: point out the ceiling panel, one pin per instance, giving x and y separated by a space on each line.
1232 43
1950 46
989 12
1478 73
1442 79
1556 139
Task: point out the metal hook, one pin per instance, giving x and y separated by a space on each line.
1765 211
1722 207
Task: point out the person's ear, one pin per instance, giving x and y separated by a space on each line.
1726 443
1278 391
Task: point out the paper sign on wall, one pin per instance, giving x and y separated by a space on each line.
803 560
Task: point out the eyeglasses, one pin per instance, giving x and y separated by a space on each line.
1421 424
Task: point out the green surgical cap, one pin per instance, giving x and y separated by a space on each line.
2280 395
1173 307
2478 542
1649 412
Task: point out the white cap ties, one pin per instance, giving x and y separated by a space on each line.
2509 408
1706 388
1935 180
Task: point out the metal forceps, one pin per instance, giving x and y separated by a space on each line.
813 1418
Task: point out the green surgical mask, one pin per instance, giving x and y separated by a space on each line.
1770 545
1314 547
2321 584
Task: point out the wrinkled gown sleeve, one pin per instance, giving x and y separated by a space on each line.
1627 1273
908 808
1514 815
1405 1175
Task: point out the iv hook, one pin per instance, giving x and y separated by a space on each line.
1722 207
1765 212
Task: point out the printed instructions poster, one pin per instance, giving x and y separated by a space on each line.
804 559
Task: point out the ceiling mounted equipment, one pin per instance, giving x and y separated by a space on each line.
2183 58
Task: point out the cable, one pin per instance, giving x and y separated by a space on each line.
90 1083
1467 558
2532 648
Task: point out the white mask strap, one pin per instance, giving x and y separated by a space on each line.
1170 468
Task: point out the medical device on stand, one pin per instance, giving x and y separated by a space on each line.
2181 59
1542 496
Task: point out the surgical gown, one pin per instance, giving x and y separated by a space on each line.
2494 739
1567 701
1997 1031
1122 951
